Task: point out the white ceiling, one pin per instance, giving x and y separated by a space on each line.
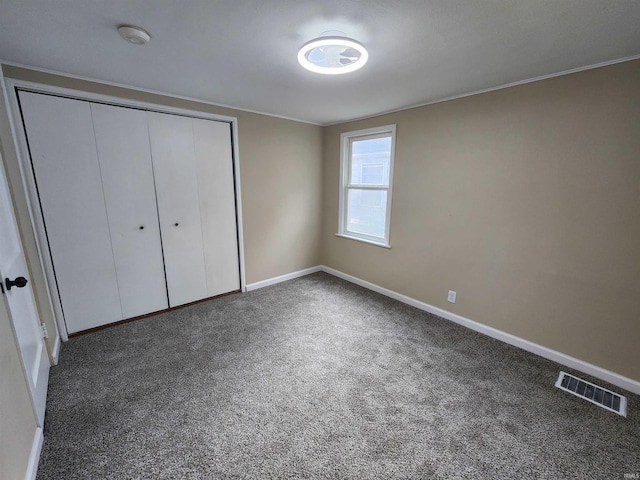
242 53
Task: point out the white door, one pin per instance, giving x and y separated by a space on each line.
214 164
174 166
122 140
65 163
22 308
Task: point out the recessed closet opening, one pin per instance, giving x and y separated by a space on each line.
136 207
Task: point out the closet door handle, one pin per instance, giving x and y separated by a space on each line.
176 224
141 227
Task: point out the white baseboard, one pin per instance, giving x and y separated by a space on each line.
283 278
34 456
561 358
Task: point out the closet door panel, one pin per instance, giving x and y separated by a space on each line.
65 164
173 158
122 140
216 191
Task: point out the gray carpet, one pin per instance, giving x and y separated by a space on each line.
319 378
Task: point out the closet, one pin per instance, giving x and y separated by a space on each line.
138 206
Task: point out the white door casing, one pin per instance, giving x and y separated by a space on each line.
21 303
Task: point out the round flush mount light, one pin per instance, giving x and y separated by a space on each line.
333 55
135 35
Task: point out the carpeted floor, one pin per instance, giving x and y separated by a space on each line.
319 378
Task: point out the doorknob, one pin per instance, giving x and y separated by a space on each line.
18 282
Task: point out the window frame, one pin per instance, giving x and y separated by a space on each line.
346 140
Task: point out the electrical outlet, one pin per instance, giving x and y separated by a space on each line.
452 296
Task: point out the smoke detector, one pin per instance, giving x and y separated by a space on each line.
135 35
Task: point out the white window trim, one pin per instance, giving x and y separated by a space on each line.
345 161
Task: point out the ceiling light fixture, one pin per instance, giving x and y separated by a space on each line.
333 55
135 35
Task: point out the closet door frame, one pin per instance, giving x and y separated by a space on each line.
12 86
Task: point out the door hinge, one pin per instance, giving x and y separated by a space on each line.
43 330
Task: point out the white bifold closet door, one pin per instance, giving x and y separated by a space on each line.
64 157
174 164
93 172
196 204
122 141
138 207
214 166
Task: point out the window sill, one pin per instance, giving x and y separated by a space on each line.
364 240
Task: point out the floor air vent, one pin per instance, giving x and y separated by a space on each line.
595 394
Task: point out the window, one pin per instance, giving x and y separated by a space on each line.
366 176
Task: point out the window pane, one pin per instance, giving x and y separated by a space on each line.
372 174
370 160
366 211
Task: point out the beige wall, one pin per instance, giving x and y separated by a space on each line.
281 164
526 201
17 421
281 184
